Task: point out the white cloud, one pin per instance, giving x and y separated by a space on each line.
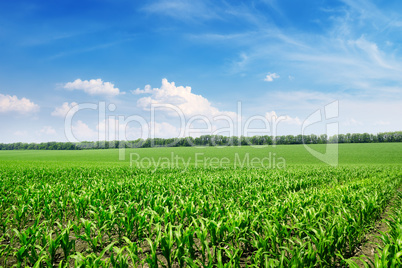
48 130
63 109
14 104
93 87
146 90
105 131
181 97
270 77
371 49
242 62
273 117
186 10
165 130
83 132
112 129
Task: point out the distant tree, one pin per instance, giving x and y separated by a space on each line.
323 138
365 138
341 138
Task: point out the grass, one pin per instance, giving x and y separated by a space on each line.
89 209
349 154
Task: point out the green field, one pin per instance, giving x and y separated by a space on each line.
349 154
90 209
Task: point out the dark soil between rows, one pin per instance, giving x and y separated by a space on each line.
372 240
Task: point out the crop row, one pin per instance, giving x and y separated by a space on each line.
389 248
124 217
390 252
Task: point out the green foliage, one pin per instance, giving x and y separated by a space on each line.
210 140
390 251
111 216
296 155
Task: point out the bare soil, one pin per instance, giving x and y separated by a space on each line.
372 241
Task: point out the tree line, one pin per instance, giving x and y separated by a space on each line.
210 140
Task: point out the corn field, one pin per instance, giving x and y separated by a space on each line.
121 217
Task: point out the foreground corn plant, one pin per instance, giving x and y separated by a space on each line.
389 252
122 217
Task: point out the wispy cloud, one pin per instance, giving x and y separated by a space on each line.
346 54
86 49
187 10
270 77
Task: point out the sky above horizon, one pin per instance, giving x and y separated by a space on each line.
90 70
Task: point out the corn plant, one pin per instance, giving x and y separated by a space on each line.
117 216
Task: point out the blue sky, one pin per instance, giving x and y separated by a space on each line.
284 58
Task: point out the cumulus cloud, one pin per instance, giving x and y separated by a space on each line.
14 104
63 109
164 130
188 103
48 130
112 129
273 117
83 132
270 77
93 87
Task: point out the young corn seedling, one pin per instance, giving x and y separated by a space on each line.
390 252
166 244
4 224
92 260
119 227
52 245
67 244
19 214
211 257
180 241
142 222
27 239
202 234
188 238
91 235
133 251
234 255
322 240
20 255
118 259
152 257
129 220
